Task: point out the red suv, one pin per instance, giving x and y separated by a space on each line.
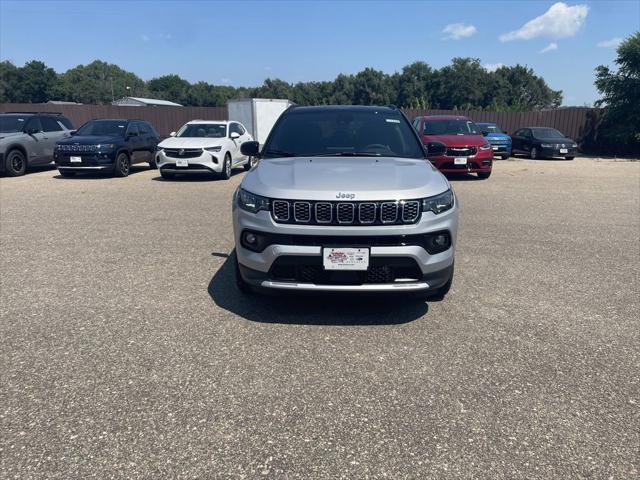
455 144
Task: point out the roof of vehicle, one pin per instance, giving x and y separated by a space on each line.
225 122
346 108
23 114
538 128
444 117
486 123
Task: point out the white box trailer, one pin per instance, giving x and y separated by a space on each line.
257 114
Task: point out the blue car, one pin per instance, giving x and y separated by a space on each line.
500 141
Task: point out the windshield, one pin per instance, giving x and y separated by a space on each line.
111 128
340 132
12 123
198 130
450 127
489 127
546 133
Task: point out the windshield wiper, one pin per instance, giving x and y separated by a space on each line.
347 154
280 153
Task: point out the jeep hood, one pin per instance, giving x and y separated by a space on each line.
190 142
325 178
456 140
89 140
498 136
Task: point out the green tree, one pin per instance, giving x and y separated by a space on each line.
9 81
170 87
621 96
416 84
519 88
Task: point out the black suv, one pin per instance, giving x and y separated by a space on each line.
107 145
27 139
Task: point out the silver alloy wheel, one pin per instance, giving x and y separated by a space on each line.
17 162
227 167
534 153
124 165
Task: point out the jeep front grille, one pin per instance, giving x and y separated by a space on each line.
346 213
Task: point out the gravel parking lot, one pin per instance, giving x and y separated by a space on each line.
126 351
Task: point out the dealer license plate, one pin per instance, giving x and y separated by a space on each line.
564 150
75 159
182 163
460 161
345 258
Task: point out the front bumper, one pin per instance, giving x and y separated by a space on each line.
272 268
207 162
501 148
94 161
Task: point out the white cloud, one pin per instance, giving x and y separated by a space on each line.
613 43
456 31
549 48
560 21
492 67
225 81
144 38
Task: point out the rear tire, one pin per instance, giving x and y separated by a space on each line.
484 175
15 164
167 175
67 173
225 174
123 165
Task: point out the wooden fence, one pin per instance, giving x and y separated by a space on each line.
570 121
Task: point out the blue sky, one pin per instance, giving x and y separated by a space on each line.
242 43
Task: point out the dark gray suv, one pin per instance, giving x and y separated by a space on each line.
28 139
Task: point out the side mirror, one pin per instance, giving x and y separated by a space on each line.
435 149
250 149
31 131
172 134
234 135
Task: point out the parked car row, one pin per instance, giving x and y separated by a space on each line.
456 144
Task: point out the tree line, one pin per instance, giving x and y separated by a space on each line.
464 84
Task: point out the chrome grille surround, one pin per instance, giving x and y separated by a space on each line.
346 213
280 210
302 212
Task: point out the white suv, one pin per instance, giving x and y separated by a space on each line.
204 146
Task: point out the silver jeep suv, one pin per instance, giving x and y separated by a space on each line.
28 139
344 199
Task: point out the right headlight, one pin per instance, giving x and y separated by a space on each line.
251 202
439 203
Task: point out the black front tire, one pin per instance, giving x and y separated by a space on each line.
123 165
67 173
167 175
439 294
569 158
505 156
15 164
484 175
225 174
242 285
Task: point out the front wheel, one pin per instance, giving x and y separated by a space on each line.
16 164
484 175
226 168
67 173
242 285
123 165
505 156
533 155
166 175
250 163
569 158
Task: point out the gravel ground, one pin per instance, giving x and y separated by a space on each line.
126 352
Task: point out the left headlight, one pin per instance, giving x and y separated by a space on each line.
251 202
486 146
439 203
106 146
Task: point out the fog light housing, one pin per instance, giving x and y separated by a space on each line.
253 241
438 242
